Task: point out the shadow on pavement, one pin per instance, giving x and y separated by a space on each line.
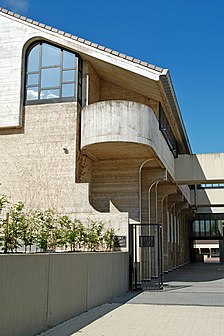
77 323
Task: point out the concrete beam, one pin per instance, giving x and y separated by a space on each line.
199 168
207 197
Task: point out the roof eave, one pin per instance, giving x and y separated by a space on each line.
168 88
155 70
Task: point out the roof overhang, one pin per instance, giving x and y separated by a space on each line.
138 75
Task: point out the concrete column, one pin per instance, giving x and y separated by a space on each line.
186 215
221 250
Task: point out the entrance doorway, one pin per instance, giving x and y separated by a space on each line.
206 238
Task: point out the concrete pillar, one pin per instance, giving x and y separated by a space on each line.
186 215
221 250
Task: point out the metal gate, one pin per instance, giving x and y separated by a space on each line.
145 248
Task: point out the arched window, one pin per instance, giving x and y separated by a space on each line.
53 74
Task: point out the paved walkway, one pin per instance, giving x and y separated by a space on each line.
192 304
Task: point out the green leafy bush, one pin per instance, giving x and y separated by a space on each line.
49 231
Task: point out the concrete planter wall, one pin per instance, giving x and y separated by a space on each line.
41 290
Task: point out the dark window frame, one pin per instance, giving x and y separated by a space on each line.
167 132
77 82
212 220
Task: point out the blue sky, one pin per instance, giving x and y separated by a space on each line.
184 36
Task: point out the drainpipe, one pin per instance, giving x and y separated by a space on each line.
140 187
165 243
172 222
87 90
149 201
176 217
162 205
178 226
149 194
179 220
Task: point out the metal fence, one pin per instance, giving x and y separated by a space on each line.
145 252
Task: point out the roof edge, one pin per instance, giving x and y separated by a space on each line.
172 99
82 40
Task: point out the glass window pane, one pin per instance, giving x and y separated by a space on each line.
32 79
68 90
50 77
196 228
213 226
50 55
49 94
32 93
219 229
68 76
52 73
207 227
33 59
69 60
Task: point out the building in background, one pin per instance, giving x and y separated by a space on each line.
96 134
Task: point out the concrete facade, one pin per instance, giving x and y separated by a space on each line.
110 156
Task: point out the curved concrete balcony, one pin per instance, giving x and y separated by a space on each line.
120 129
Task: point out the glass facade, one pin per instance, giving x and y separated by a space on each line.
52 74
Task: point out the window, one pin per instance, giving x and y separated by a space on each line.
210 186
167 132
207 226
52 74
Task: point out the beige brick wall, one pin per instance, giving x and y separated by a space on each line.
34 167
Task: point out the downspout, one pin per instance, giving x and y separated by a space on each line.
162 205
149 201
87 90
172 222
149 194
140 187
178 226
175 231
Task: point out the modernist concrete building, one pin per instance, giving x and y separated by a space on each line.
97 134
